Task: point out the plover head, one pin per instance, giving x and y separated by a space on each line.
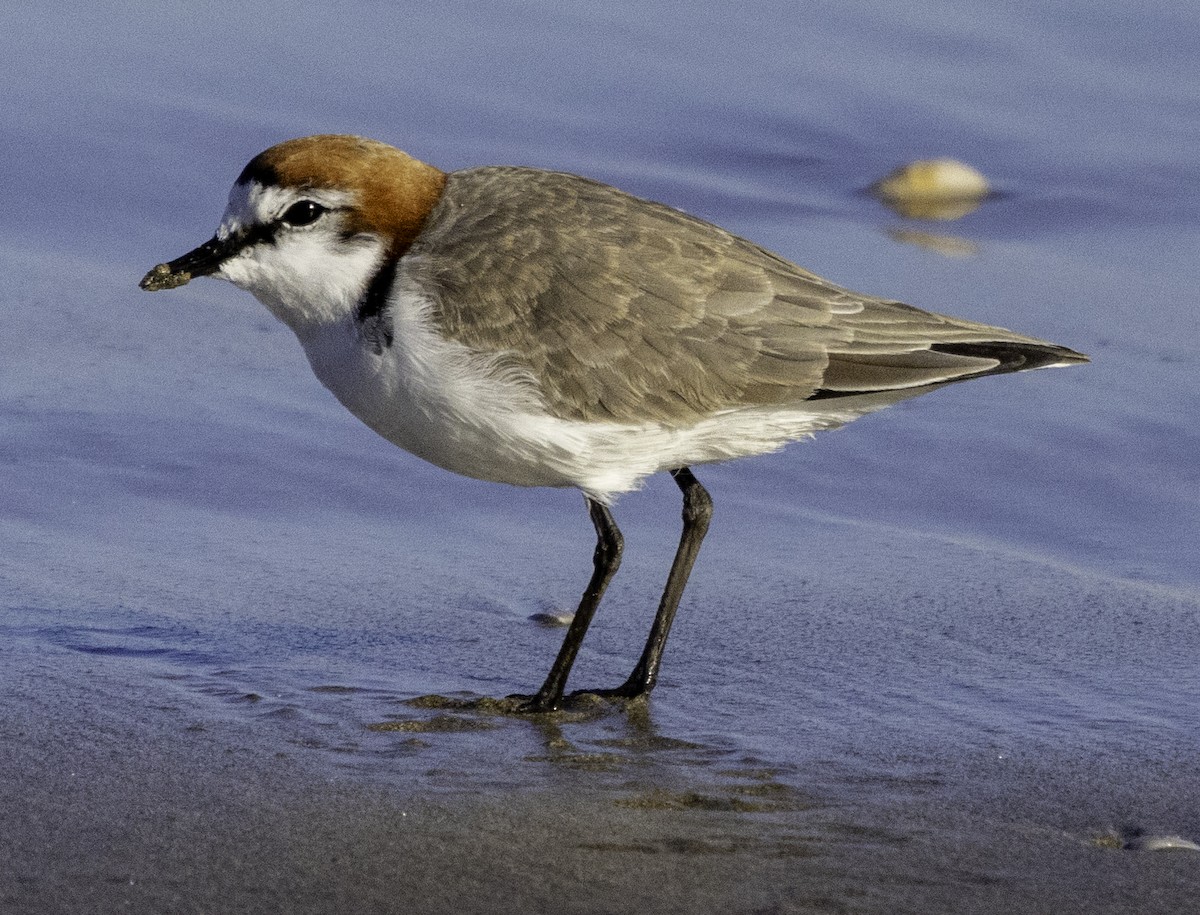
308 224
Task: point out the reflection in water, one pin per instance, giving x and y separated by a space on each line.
938 243
931 210
599 736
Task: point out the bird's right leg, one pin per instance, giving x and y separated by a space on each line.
605 561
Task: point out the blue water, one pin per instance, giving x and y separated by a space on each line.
1003 569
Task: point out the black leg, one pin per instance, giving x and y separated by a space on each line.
606 560
697 512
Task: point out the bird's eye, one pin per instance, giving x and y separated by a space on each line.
303 213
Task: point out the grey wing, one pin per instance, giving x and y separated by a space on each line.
630 311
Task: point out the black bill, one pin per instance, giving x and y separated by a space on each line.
199 262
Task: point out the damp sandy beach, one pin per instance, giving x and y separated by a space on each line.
943 660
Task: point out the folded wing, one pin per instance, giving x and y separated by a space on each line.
631 311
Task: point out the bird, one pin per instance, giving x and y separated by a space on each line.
538 328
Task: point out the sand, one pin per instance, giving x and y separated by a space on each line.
115 806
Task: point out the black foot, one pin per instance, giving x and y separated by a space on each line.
532 705
624 691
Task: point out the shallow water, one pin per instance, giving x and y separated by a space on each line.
982 590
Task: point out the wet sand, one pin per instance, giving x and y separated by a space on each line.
117 804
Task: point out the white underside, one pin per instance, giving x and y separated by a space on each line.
468 414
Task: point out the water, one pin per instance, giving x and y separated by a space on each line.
986 589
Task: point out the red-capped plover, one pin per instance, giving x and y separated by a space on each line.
541 329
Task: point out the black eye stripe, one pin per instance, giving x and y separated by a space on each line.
265 233
258 234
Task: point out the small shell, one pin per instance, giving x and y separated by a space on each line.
558 618
940 189
1161 843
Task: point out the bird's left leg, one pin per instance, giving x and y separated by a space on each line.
606 560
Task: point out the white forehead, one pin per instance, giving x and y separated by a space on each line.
253 203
